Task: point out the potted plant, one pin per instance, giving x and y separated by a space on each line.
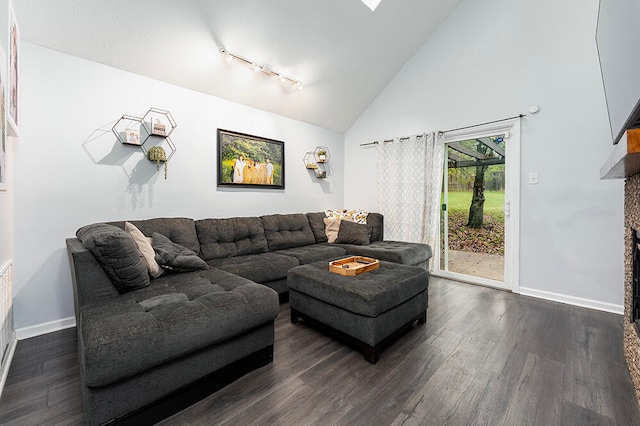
322 156
157 154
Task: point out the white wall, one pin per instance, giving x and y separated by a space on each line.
70 170
493 59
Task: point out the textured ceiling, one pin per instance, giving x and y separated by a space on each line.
344 53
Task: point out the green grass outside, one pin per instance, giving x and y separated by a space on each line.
461 200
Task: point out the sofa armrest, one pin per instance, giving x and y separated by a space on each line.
90 283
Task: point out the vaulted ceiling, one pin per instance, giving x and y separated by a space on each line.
344 53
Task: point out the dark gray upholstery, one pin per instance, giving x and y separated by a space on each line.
104 403
375 222
180 230
314 253
260 268
368 294
136 348
238 236
287 230
393 251
353 233
122 338
175 257
316 221
117 253
369 306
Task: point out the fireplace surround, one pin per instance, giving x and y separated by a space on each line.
632 239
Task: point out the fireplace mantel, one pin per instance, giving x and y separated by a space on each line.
624 161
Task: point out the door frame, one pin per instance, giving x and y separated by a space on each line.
511 131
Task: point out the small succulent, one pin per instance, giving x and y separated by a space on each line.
157 154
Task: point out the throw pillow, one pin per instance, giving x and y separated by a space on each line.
175 257
331 227
117 254
144 249
353 233
355 215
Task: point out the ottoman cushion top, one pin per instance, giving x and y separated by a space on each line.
369 294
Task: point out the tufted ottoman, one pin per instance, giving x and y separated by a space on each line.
369 310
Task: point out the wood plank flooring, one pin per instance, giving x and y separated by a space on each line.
485 357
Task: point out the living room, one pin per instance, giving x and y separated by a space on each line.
482 61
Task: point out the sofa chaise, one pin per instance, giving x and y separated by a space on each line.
141 346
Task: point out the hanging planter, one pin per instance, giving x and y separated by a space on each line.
157 154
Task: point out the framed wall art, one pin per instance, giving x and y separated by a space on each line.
14 65
249 161
3 121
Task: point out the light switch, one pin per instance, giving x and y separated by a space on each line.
533 178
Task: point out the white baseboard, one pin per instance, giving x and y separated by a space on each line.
573 300
11 349
44 328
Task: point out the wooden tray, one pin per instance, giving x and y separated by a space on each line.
353 265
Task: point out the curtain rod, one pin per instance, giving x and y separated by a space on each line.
451 130
404 138
482 124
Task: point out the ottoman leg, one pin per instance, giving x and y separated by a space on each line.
423 318
294 316
372 353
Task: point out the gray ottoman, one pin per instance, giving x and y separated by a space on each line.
368 310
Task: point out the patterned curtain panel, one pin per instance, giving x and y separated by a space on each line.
409 187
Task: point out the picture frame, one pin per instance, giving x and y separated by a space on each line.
248 161
132 136
158 127
14 68
3 120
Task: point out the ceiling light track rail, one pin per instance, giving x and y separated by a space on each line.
264 68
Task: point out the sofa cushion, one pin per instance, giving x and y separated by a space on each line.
353 233
257 267
174 256
145 249
287 230
180 230
375 222
177 315
316 222
392 251
117 253
236 236
314 253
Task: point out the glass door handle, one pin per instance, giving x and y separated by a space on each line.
507 209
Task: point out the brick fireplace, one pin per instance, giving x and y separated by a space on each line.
631 329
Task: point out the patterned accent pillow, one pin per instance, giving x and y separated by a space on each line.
357 216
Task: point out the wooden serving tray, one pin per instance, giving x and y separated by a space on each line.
353 265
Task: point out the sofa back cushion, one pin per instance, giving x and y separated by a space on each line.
117 253
316 221
180 230
237 236
375 223
287 230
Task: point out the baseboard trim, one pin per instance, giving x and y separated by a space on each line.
45 328
11 349
573 300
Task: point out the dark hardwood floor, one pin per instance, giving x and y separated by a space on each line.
485 357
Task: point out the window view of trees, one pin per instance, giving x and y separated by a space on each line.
476 179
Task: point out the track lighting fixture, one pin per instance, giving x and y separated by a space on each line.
264 68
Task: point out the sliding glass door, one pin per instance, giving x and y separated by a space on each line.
476 223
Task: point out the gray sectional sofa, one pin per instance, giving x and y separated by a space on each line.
160 340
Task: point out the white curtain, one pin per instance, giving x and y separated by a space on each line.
409 187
